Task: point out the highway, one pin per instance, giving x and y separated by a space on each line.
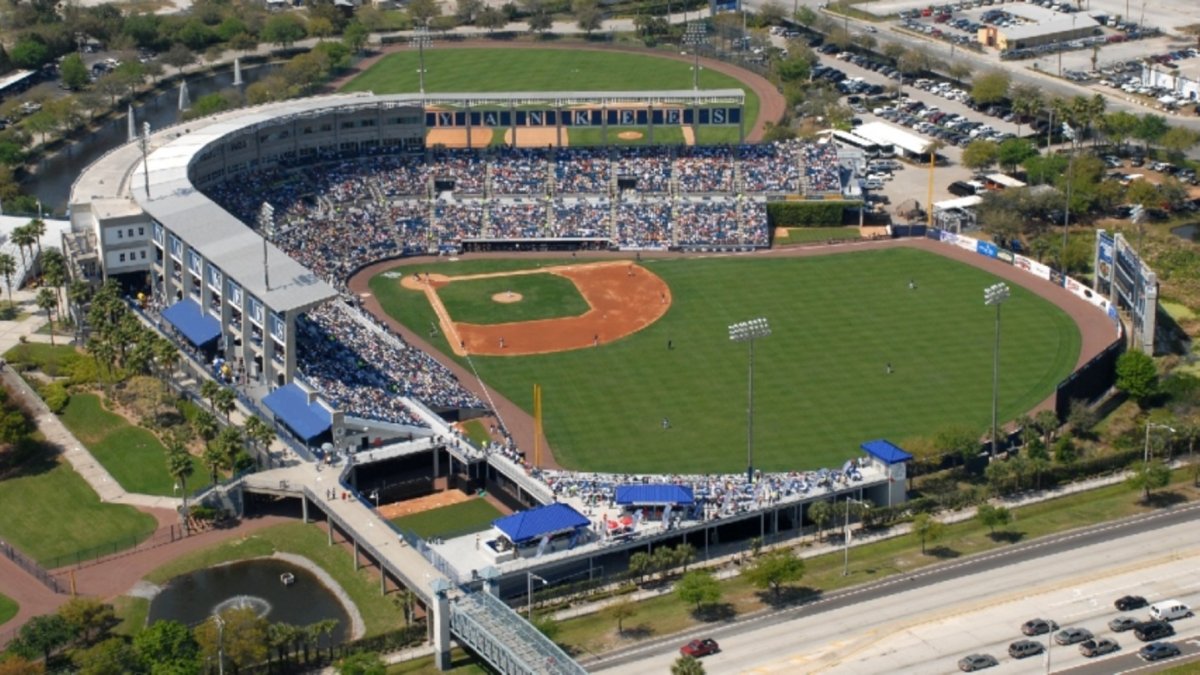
924 622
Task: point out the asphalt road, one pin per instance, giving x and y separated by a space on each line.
955 582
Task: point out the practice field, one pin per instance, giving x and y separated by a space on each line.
513 70
475 515
821 380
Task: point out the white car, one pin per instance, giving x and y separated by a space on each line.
873 184
878 177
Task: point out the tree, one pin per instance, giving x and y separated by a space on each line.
990 87
178 57
1178 140
1137 376
540 22
229 441
587 15
167 647
284 29
771 13
8 267
1026 103
999 476
361 663
1013 151
180 467
622 608
992 517
774 570
30 52
215 460
113 656
41 636
243 639
1082 417
46 300
640 565
980 154
699 587
224 401
958 440
355 36
1149 476
422 11
805 16
467 10
74 73
820 512
491 19
320 28
927 528
87 617
19 665
259 433
1150 128
687 665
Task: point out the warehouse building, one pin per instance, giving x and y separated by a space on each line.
1060 28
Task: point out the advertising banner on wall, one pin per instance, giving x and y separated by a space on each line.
1104 257
1032 266
987 248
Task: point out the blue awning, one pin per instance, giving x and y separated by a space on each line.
290 404
536 523
885 452
196 325
655 495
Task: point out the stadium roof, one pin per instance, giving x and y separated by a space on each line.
535 523
291 405
195 324
882 133
959 203
886 452
677 96
654 494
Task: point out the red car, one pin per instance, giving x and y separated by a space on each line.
698 648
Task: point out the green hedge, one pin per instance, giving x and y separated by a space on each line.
807 214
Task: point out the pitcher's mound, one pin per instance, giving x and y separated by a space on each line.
507 297
630 135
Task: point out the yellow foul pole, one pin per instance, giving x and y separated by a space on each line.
929 204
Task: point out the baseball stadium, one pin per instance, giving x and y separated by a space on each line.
536 329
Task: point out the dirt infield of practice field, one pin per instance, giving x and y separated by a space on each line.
481 137
623 298
429 502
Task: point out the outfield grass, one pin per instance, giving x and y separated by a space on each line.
8 609
134 456
820 382
543 296
475 515
662 136
810 235
379 613
477 433
48 510
513 70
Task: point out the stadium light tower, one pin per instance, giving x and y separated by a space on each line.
421 39
995 294
748 332
695 35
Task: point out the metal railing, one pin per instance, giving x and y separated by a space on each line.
35 570
505 639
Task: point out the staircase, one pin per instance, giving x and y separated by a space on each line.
505 639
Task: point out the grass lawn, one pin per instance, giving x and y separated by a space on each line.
48 510
475 70
544 296
133 614
666 614
475 515
460 662
477 433
820 382
809 235
379 612
47 358
8 609
134 456
662 136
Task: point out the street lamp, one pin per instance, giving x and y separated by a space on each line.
846 535
748 332
529 577
1149 426
421 39
695 35
995 294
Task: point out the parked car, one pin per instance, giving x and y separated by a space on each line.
698 648
1128 602
1025 648
1090 648
1038 626
1158 650
1070 636
1150 631
974 662
1122 623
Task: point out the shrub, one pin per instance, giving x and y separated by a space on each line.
807 214
55 395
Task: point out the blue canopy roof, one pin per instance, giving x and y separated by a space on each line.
290 404
654 494
196 325
885 452
536 523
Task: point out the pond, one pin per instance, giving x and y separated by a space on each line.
192 598
1188 231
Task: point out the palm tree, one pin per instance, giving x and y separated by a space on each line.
47 301
229 440
216 460
260 434
1026 102
37 228
326 627
166 357
78 293
54 272
208 392
205 425
22 237
8 267
179 465
280 637
224 401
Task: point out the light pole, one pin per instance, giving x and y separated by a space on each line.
694 36
1146 454
420 39
846 536
529 577
995 294
748 332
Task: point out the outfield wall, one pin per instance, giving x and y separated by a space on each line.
1091 380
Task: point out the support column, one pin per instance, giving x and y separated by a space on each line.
382 579
650 122
289 345
558 125
329 530
741 124
356 563
441 631
304 507
469 144
436 463
513 122
603 124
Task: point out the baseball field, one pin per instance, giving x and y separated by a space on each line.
839 324
514 70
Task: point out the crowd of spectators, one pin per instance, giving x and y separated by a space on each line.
707 221
643 222
771 167
518 219
649 168
822 172
705 168
582 171
458 219
519 172
345 359
463 168
582 218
